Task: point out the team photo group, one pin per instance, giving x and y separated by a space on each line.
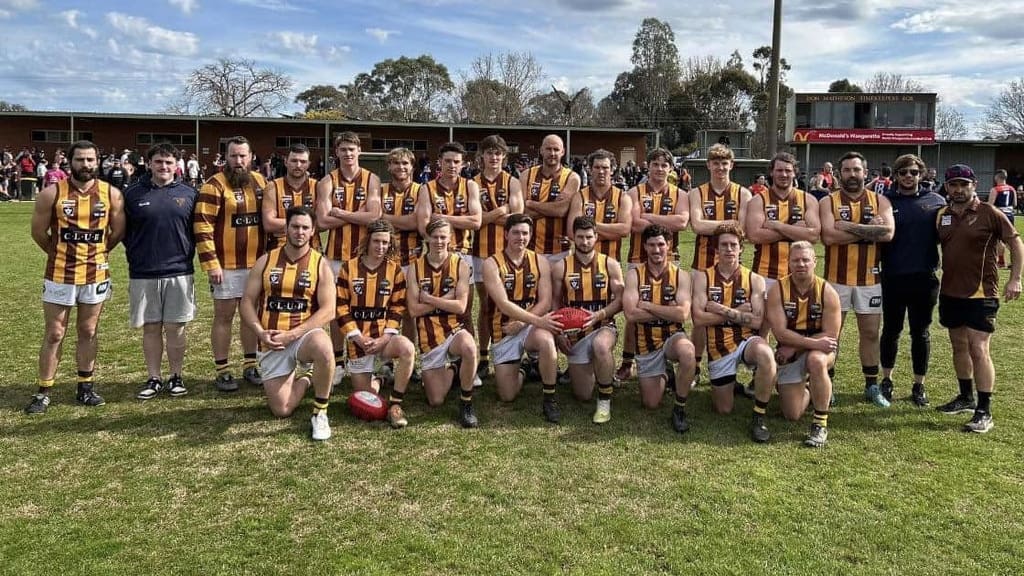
388 299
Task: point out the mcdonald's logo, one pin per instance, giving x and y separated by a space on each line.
799 136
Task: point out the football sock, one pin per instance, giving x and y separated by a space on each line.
45 385
984 401
966 388
604 391
821 418
870 375
84 378
760 408
396 397
222 367
319 405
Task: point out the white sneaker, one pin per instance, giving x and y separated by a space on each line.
477 382
321 426
603 413
339 375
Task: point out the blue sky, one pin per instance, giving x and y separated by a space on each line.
121 56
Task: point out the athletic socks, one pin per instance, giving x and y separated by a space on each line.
319 405
680 401
870 375
249 361
84 379
396 397
604 391
466 396
45 386
222 367
966 388
760 408
984 402
821 418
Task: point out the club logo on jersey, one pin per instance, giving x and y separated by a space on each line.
409 206
531 281
553 191
239 196
668 293
790 309
666 206
180 202
645 292
286 202
600 281
360 194
739 296
946 220
460 204
426 285
575 281
275 276
304 279
510 282
867 214
730 209
501 198
440 207
815 311
589 210
609 212
709 209
389 205
68 207
771 212
796 214
385 288
535 191
845 214
359 286
715 293
447 285
648 204
485 200
339 195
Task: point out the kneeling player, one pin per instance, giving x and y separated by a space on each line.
289 296
728 304
438 296
593 282
519 285
657 298
371 303
803 312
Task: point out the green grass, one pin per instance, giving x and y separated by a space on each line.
211 484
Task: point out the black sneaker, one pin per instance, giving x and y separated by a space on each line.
252 376
980 423
918 396
87 397
151 389
40 402
958 405
551 412
679 423
226 383
467 417
741 391
817 437
886 389
758 431
483 369
175 387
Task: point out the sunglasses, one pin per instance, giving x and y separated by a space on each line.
909 172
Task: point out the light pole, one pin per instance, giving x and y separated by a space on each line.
773 81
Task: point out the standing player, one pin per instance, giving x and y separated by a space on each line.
718 201
547 190
438 295
969 294
296 188
398 206
657 298
288 298
371 304
728 304
592 281
160 248
229 239
655 201
607 205
854 220
804 314
1004 198
500 195
347 200
76 222
518 283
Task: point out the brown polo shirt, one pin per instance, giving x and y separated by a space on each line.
969 249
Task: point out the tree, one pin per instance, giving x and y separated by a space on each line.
556 108
320 98
844 85
234 87
1005 115
763 63
6 106
889 82
402 90
949 124
498 88
655 73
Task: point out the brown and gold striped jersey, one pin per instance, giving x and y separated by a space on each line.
490 239
804 312
435 327
452 202
349 195
78 231
227 226
855 264
289 290
587 286
288 197
403 203
520 281
720 207
772 260
369 300
733 292
661 202
604 211
660 290
549 233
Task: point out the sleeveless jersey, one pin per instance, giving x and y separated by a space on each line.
733 292
1004 198
804 312
289 290
521 284
587 286
228 226
719 207
78 231
369 300
661 202
772 260
549 233
288 197
435 327
651 336
349 195
402 203
490 239
452 203
853 264
604 211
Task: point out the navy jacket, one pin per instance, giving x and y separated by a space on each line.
914 246
158 238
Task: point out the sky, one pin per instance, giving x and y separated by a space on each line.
132 56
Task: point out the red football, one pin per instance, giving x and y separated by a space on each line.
572 318
367 406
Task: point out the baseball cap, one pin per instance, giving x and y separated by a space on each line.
960 172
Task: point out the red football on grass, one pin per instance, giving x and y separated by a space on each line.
367 406
572 318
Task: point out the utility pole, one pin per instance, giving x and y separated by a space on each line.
773 81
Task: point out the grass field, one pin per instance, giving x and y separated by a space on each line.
211 484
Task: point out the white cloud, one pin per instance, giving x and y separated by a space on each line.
381 34
272 5
70 18
298 42
5 14
19 5
187 6
154 37
337 53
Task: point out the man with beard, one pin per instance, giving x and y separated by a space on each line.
591 281
76 222
347 199
500 195
548 189
518 282
229 239
780 217
607 205
728 304
296 188
969 293
804 314
910 287
288 298
854 221
657 299
371 304
160 247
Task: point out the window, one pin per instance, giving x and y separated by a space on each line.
803 114
822 115
896 115
149 138
311 142
387 144
59 136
